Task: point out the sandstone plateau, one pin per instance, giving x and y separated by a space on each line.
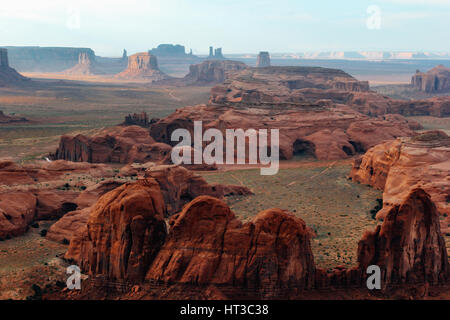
435 80
142 66
401 165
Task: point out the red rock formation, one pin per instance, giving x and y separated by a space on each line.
208 245
179 186
291 85
124 232
328 132
399 166
8 75
17 211
20 208
142 66
435 80
113 145
74 221
408 247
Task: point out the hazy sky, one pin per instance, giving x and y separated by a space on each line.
239 26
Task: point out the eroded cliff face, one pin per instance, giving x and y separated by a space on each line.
408 247
113 145
212 71
435 80
399 166
142 66
124 232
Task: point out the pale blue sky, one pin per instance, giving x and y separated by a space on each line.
239 26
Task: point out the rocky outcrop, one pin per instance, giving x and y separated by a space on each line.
401 165
113 145
5 119
327 132
288 85
208 245
435 80
86 66
263 59
32 192
9 76
179 186
212 71
408 247
142 66
124 232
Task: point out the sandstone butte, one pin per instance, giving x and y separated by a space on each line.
71 208
127 240
86 66
5 119
435 80
142 66
401 165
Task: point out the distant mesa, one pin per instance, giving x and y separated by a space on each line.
263 59
86 66
434 81
142 66
9 76
215 54
212 72
170 50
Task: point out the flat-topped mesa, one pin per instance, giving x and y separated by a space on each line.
8 75
142 66
263 59
11 119
399 166
286 85
212 71
435 80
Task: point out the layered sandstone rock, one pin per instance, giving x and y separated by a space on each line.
327 132
212 71
263 59
74 221
124 232
142 66
401 165
86 66
8 75
289 85
113 145
408 247
272 251
179 186
32 192
435 80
